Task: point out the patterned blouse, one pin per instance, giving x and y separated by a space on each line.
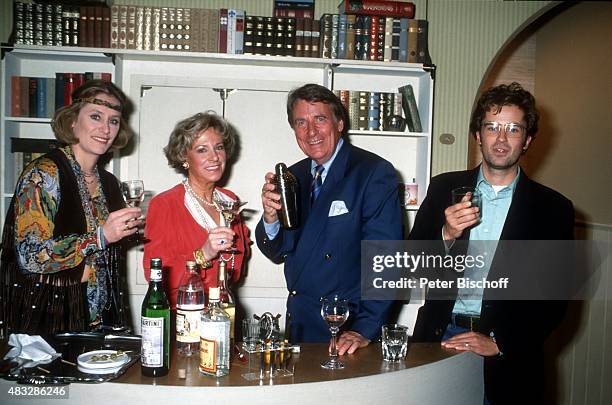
36 204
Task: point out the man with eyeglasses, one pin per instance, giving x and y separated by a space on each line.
509 333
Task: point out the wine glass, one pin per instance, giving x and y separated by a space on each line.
335 312
229 211
133 192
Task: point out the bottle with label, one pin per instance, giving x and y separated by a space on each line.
214 338
226 298
155 326
189 308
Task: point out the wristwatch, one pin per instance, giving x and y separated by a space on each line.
198 255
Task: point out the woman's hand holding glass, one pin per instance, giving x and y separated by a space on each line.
219 240
122 223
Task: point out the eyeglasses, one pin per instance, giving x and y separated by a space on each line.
511 129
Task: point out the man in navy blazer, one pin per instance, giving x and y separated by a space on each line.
347 195
508 331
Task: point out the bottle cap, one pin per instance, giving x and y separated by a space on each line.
156 262
213 293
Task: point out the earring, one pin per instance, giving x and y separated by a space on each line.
185 165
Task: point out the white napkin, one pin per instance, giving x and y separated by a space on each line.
30 351
337 208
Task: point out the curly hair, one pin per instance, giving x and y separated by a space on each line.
503 95
66 116
315 93
189 129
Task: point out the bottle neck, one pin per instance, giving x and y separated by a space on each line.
156 275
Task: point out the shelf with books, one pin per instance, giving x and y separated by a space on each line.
39 67
356 132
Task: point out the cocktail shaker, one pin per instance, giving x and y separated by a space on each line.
287 186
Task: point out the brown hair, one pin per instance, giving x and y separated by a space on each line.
315 93
188 130
67 115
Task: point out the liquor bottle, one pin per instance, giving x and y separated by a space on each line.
286 186
189 308
155 326
214 338
226 298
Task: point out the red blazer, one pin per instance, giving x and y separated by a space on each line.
173 234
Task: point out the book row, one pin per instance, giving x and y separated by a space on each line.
381 111
39 97
61 25
382 36
375 38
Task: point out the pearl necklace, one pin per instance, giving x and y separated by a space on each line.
201 199
200 210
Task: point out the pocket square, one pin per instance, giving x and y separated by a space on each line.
337 208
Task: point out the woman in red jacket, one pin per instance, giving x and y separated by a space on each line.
185 222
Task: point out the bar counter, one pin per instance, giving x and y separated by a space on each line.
430 374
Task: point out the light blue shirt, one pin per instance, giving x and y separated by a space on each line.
496 202
273 228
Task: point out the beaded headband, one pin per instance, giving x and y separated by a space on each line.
97 101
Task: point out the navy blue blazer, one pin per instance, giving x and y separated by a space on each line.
322 256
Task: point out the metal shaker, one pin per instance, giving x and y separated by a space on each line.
287 186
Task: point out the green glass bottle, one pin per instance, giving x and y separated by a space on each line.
155 326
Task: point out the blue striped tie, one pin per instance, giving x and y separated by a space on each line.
317 182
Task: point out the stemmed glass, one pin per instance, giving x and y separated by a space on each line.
335 312
133 192
229 211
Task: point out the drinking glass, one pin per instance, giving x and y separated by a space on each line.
335 312
229 211
394 342
133 192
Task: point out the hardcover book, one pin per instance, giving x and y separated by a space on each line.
307 37
412 41
316 39
223 30
422 42
385 8
350 37
98 26
114 27
411 110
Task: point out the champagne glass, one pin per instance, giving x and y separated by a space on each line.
335 312
133 192
229 211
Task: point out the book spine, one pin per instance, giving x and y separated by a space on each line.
342 26
363 99
231 31
403 40
373 111
387 56
326 36
60 84
258 44
395 40
410 107
131 28
385 8
57 25
365 37
83 25
69 86
280 26
15 96
334 39
353 110
350 37
24 97
50 101
412 41
422 42
315 38
307 36
195 34
214 18
91 26
223 23
139 28
299 36
373 39
41 97
164 29
155 29
47 24
123 22
239 33
147 21
114 27
98 27
19 24
380 39
32 99
106 37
